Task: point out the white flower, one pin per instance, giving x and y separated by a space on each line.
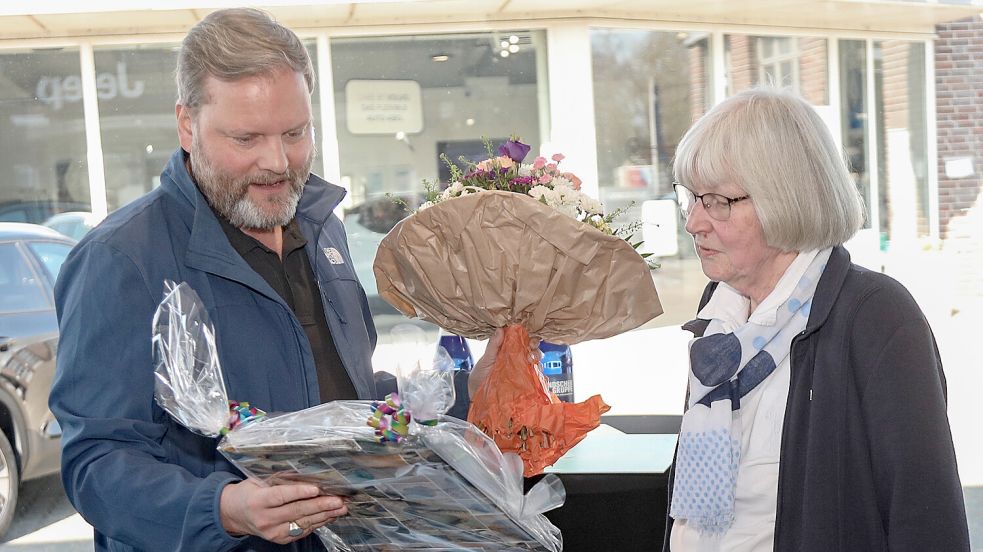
525 170
425 205
557 200
568 209
453 190
538 191
552 198
591 205
561 183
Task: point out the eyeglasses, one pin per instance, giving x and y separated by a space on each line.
716 205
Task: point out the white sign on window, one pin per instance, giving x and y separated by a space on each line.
384 106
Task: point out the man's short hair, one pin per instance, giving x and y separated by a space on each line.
232 44
773 145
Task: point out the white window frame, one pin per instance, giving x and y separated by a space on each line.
770 66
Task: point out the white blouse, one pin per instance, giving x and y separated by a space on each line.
762 415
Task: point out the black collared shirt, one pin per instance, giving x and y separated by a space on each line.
293 279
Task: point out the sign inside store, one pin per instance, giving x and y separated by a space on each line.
57 91
384 106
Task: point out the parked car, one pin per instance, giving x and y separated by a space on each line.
30 447
37 211
73 224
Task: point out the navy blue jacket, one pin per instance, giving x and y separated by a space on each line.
867 461
143 481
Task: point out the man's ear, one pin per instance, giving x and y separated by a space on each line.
185 126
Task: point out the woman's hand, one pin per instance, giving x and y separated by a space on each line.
483 367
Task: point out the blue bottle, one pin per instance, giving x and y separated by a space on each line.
457 348
557 366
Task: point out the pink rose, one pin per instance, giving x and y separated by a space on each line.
539 163
558 157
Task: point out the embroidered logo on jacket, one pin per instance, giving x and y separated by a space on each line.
334 256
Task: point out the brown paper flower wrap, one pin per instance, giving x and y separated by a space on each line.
495 259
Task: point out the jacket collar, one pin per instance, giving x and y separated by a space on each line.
828 289
208 247
830 283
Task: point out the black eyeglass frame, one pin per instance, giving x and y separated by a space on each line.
722 200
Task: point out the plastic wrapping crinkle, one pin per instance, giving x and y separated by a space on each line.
437 485
188 383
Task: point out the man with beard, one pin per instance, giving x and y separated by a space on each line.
239 217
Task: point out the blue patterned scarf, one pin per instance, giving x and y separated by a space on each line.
724 367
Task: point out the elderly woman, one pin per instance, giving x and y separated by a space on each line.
816 411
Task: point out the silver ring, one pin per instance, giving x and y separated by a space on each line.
294 530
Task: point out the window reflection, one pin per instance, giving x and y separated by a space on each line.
136 91
649 86
798 63
902 153
403 101
854 115
44 151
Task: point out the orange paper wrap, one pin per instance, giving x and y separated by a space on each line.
495 259
515 408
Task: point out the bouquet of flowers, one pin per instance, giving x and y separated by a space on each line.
518 246
542 180
413 479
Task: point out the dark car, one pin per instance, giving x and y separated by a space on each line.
30 447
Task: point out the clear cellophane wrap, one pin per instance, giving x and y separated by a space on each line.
442 485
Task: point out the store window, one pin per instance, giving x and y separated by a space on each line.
778 59
136 90
44 149
796 63
649 87
902 152
403 101
854 119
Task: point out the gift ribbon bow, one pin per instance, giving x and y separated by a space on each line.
240 413
391 419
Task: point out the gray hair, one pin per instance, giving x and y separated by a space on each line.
232 44
775 146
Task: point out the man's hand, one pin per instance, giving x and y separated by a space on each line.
481 368
249 508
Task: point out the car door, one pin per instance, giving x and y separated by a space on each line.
28 343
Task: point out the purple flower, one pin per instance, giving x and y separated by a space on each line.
515 149
525 180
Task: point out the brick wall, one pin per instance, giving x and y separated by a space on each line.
743 63
902 135
813 74
697 82
959 112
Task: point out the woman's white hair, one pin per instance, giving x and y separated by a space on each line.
773 145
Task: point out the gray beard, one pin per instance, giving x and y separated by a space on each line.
229 196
